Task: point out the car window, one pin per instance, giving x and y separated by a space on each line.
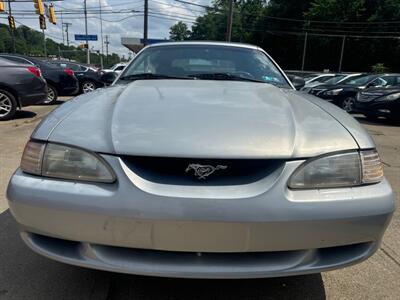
193 60
335 79
119 68
73 67
323 78
379 82
359 80
392 80
16 59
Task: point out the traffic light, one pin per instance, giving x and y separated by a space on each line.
11 22
52 15
39 7
2 7
42 22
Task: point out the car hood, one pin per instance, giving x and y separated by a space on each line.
197 118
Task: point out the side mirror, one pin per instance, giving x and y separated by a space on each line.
297 81
108 78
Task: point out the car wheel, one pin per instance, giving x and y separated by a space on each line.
8 105
52 95
88 86
348 104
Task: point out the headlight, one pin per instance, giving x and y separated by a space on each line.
390 97
334 92
65 162
338 170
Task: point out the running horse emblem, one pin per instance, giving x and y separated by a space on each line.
203 171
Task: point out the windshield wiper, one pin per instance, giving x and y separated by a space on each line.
223 76
142 76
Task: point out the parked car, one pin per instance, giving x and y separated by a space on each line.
344 94
117 68
20 85
380 101
60 81
202 161
320 78
338 78
89 78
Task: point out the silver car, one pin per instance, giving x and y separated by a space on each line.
201 161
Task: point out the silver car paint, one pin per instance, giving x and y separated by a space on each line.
134 226
174 118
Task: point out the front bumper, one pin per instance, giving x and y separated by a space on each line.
379 108
274 232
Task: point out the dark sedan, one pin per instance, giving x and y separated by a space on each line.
60 81
20 85
344 94
380 102
88 77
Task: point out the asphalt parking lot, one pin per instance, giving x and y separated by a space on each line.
25 275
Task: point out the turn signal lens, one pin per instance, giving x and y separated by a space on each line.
31 161
372 167
338 170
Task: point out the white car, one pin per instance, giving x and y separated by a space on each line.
117 68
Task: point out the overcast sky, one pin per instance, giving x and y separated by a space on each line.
164 13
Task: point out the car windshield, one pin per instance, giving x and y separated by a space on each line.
335 79
205 62
359 80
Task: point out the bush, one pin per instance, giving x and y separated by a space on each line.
379 68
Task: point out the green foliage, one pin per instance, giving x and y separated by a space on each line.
265 23
379 68
179 32
30 42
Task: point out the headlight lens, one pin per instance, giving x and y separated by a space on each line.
65 162
338 170
334 92
390 97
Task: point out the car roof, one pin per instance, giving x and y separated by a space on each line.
203 43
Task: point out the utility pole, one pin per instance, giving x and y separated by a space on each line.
341 54
11 30
146 21
44 44
304 51
62 27
102 41
86 32
107 42
229 23
66 25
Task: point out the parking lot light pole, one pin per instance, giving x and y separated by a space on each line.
86 32
230 21
341 54
304 51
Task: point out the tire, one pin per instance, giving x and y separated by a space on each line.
8 105
52 95
348 104
87 87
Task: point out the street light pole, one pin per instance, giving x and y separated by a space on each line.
341 54
145 22
102 41
304 51
86 32
229 23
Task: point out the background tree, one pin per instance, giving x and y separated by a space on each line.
179 32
